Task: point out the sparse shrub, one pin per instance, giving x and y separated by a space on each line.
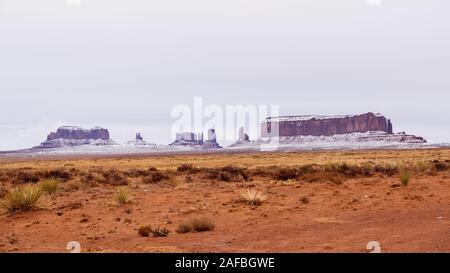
196 225
146 231
253 197
236 172
441 166
187 168
349 170
49 185
386 169
155 177
114 177
224 176
405 175
304 200
140 172
286 173
227 173
325 176
123 196
160 232
23 177
59 173
22 198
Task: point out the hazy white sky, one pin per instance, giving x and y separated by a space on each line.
124 64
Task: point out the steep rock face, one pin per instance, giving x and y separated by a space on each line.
68 132
69 136
325 125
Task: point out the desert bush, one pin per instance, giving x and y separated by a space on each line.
441 166
304 200
405 175
123 196
155 177
21 198
253 197
139 172
349 170
386 169
227 173
224 176
160 232
146 231
236 172
49 185
187 168
196 225
98 175
285 173
24 177
325 176
59 173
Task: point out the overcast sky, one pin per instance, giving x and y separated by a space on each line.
124 64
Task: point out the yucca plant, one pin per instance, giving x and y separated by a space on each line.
253 197
22 198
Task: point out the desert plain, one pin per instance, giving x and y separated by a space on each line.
318 201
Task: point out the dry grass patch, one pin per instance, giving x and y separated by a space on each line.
196 225
122 196
49 186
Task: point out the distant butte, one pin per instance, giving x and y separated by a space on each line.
69 136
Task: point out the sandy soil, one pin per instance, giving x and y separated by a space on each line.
297 217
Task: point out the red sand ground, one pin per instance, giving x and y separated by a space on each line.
337 218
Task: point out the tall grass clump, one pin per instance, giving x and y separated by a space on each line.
123 196
49 186
405 175
21 198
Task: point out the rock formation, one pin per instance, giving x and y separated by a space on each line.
242 135
196 140
68 136
139 141
325 125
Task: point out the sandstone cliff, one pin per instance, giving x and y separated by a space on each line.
325 125
68 136
69 132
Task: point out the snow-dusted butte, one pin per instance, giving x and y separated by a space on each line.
369 140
